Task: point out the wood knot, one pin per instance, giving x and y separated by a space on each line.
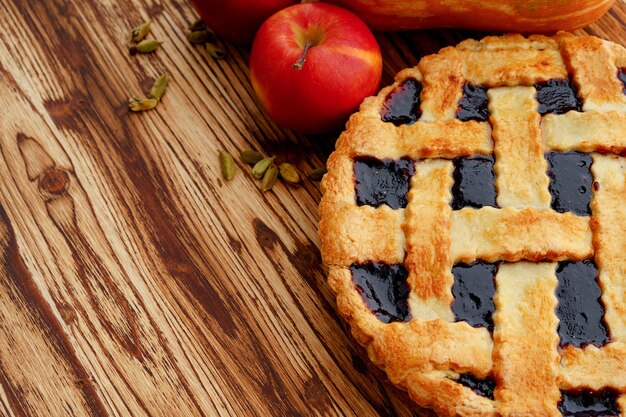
266 237
54 182
68 314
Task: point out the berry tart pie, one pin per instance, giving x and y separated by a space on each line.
473 224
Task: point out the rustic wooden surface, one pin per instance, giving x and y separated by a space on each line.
133 280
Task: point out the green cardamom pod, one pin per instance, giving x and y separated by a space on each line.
269 179
141 31
251 157
289 173
197 25
160 85
145 47
142 104
215 51
318 173
227 164
199 37
260 167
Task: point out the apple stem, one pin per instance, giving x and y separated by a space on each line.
300 62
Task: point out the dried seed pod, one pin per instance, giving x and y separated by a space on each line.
141 31
142 104
159 87
145 47
215 51
251 157
269 179
227 164
318 173
289 173
199 37
260 167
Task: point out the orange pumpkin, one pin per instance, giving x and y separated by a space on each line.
501 15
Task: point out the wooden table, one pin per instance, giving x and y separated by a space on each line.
135 281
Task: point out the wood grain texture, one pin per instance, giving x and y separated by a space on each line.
133 280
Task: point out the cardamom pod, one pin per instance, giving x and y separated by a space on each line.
199 36
215 51
141 31
251 157
260 167
318 173
158 88
227 164
142 104
145 47
289 173
197 25
269 179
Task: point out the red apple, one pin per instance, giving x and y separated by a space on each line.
238 20
312 64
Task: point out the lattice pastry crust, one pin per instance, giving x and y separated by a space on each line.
426 355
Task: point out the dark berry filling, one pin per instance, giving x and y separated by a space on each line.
580 310
384 289
402 105
557 96
474 182
380 182
473 290
570 182
483 387
473 104
621 74
586 403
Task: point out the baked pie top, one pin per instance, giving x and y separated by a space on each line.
473 224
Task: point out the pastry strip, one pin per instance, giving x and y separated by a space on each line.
364 234
511 235
420 140
592 62
431 345
493 68
608 211
594 367
443 85
427 231
338 184
520 165
591 131
525 340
